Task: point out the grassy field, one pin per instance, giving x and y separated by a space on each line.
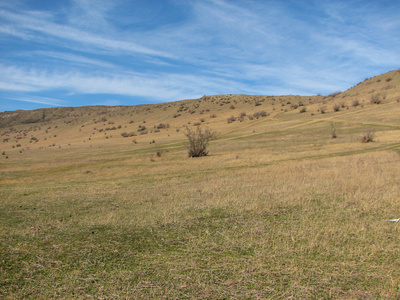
278 210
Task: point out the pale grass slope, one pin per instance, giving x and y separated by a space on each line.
279 210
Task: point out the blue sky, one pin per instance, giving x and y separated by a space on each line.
120 52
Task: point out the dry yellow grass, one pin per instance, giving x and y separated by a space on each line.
279 209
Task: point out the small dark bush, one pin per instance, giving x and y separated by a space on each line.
377 98
162 126
355 103
231 119
303 109
368 136
336 107
260 114
333 131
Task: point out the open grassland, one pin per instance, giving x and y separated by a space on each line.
279 210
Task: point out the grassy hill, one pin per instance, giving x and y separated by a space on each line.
103 202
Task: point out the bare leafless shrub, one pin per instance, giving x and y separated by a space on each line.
259 114
336 107
368 136
377 98
231 119
333 131
198 140
355 103
303 109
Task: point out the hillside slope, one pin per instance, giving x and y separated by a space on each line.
373 101
291 202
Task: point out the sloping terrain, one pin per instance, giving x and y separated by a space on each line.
292 202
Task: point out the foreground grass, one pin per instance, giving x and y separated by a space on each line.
216 227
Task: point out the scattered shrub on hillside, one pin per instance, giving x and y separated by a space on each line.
259 114
303 109
231 119
355 103
159 153
125 134
198 140
336 107
333 131
377 98
141 128
232 107
322 109
213 116
294 106
368 136
334 94
162 126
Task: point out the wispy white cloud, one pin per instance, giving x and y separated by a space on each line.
39 100
30 22
160 86
199 47
72 58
